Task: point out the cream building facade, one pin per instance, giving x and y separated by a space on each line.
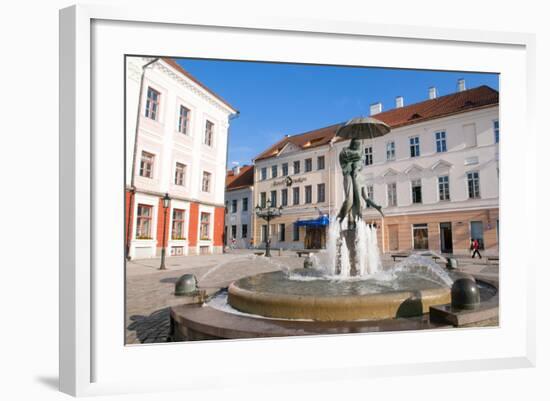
436 176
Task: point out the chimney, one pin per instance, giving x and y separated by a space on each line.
236 170
398 102
375 108
461 85
432 92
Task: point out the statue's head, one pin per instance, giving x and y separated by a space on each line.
354 144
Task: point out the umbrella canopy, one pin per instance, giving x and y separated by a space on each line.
363 128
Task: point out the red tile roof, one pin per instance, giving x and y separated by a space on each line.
172 63
455 103
244 179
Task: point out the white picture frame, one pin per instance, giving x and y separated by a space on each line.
93 358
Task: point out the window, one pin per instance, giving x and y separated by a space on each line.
144 221
234 206
146 164
284 197
444 194
392 194
274 198
205 226
183 120
244 231
390 150
441 141
206 178
295 232
320 193
263 173
263 199
321 163
178 217
209 133
245 205
296 196
179 178
308 193
233 231
152 104
414 143
473 184
420 236
297 167
309 165
368 155
370 193
285 169
496 131
281 232
273 171
416 186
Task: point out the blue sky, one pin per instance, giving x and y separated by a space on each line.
277 99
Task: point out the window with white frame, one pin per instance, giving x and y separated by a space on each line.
209 133
263 173
308 194
244 231
245 205
178 224
443 182
416 189
152 104
297 167
179 176
282 230
263 199
284 197
206 181
496 131
285 169
308 165
368 155
183 120
295 232
441 141
234 206
473 184
274 198
420 236
370 193
320 193
296 196
274 171
414 145
320 162
144 221
390 150
392 194
205 226
146 164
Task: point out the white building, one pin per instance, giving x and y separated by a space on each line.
176 144
435 174
239 206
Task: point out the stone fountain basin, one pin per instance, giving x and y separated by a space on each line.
276 295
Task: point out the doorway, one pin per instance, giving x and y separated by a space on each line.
315 238
446 237
393 234
476 232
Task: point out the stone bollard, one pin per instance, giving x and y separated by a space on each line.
186 285
280 251
465 293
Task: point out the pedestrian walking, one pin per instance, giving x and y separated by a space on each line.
475 248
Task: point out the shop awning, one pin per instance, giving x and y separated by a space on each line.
318 222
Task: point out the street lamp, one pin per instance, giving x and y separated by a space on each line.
166 205
268 213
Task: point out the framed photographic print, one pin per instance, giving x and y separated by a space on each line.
296 203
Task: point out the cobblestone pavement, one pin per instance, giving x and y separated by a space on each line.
150 292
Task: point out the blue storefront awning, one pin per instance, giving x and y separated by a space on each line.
318 222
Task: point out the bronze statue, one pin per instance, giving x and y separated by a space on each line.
351 162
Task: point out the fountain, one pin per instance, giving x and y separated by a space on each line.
343 289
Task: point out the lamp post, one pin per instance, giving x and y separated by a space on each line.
166 205
268 213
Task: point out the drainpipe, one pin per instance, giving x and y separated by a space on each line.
134 156
231 117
